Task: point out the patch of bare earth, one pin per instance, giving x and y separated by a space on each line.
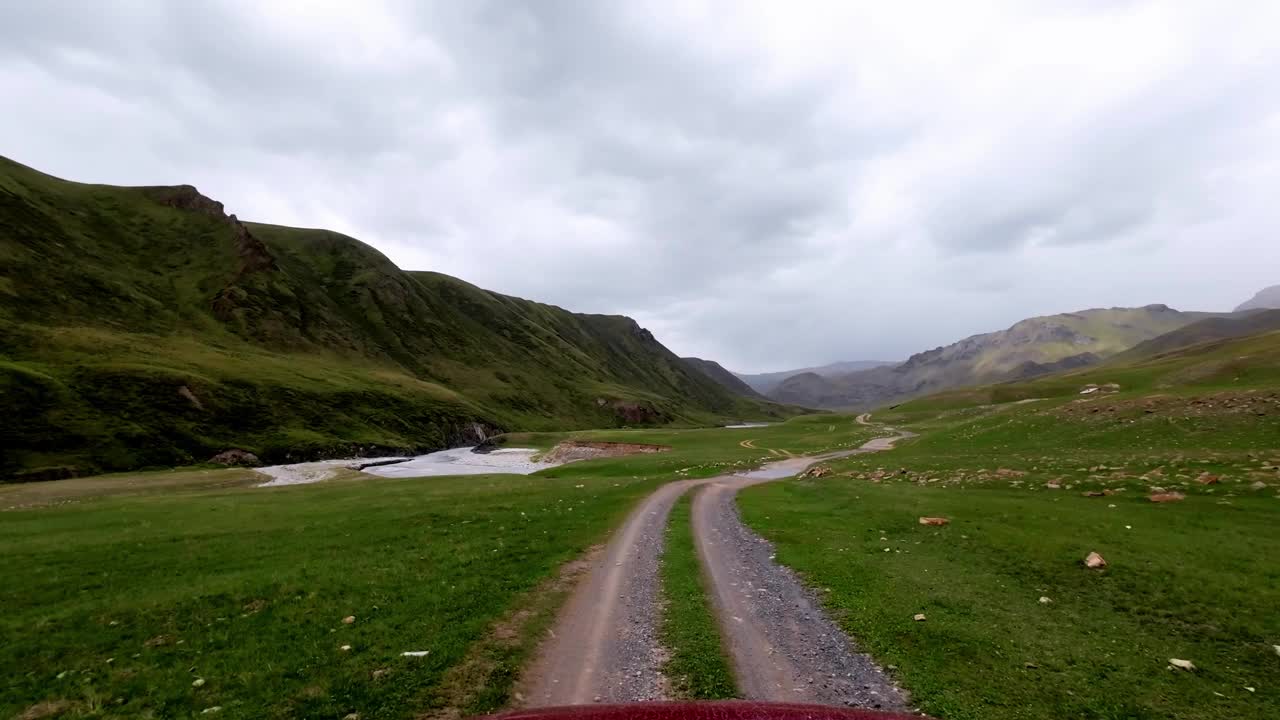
469 686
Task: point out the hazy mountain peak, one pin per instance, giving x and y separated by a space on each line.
1267 298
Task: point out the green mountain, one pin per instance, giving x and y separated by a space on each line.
143 326
1212 329
1032 347
1238 376
724 378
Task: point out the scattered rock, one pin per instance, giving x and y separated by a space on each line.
1259 485
1208 479
351 716
415 653
934 521
1053 485
1095 561
1093 493
1007 473
236 457
345 648
198 682
1167 497
211 710
380 672
348 619
918 617
185 393
1182 664
1044 600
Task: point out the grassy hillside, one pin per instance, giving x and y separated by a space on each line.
1033 476
1208 330
143 326
1036 346
724 378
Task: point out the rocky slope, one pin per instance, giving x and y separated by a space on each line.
1267 298
1029 348
145 326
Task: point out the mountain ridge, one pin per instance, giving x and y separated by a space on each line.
145 326
723 377
1028 348
765 382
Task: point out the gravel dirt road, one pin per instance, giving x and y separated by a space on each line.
605 648
782 645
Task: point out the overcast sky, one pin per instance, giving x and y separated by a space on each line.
770 185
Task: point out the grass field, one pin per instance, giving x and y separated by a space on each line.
120 592
1030 489
698 667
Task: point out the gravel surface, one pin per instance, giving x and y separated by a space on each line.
783 646
605 645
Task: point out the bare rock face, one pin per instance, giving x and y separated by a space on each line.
236 457
186 197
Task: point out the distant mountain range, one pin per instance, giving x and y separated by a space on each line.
766 382
1030 348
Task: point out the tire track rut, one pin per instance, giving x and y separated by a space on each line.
605 648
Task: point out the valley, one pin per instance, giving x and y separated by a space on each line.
258 471
481 573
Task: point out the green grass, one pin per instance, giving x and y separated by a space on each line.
1196 580
120 591
697 667
118 605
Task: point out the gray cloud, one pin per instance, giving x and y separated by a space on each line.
763 184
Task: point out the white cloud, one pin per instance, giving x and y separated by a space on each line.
766 184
